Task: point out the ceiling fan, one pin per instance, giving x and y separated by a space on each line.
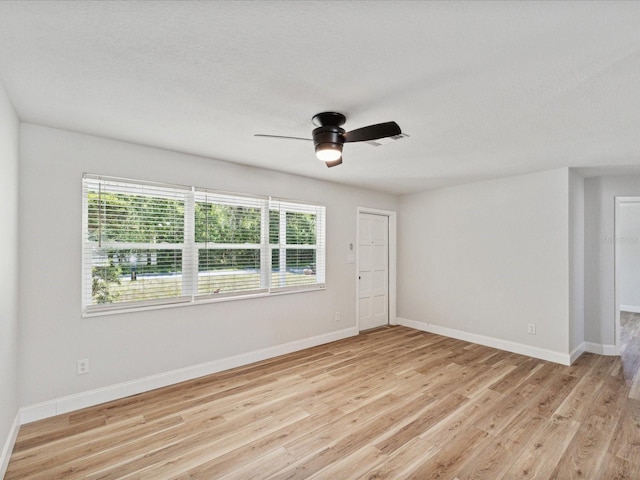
329 136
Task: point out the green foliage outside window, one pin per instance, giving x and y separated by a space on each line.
301 228
120 217
226 224
104 278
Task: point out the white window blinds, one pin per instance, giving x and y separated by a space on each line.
228 236
134 243
296 244
151 244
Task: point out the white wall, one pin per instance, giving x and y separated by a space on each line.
628 244
126 347
489 258
576 260
9 130
600 193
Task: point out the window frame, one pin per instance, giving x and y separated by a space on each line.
190 247
201 195
284 206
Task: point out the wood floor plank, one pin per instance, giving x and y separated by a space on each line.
463 417
391 403
618 469
627 440
505 410
261 467
483 378
493 461
553 392
611 399
63 432
226 463
403 460
578 403
431 417
92 443
78 467
519 375
191 450
540 457
354 465
450 457
345 445
587 449
318 439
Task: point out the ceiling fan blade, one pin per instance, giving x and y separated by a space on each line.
335 163
280 136
373 132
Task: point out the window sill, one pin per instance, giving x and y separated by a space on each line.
164 306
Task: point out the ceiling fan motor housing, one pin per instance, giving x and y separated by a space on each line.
328 141
329 135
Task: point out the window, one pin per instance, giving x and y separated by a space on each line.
294 230
149 244
228 233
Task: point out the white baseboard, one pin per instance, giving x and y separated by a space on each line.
630 308
579 350
522 349
609 350
600 349
5 455
113 392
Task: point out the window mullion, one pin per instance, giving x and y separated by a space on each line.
320 245
87 267
265 251
282 240
190 250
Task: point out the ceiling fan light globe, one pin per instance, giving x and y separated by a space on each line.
328 152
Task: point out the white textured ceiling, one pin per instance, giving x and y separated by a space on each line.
483 89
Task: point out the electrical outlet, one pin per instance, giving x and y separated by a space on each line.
532 329
83 366
337 317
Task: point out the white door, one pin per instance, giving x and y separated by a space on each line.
373 270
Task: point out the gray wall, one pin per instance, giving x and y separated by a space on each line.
489 258
130 346
9 131
576 260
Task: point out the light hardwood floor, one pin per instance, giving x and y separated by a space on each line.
393 403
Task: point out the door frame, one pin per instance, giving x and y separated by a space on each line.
391 215
616 282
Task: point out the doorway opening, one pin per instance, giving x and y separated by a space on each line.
627 289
